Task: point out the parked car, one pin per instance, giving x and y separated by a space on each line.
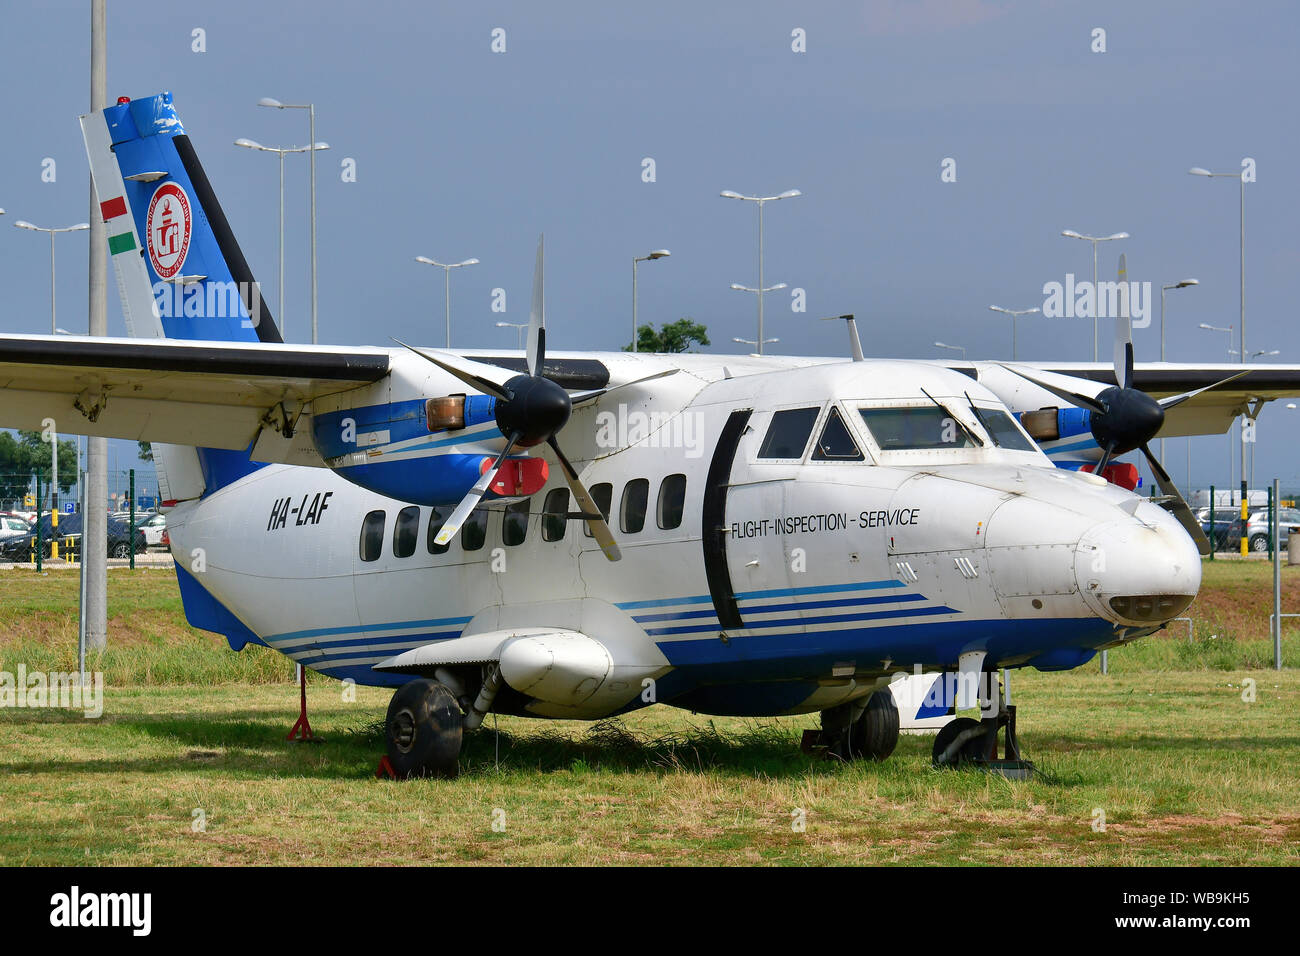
1257 528
1226 535
150 522
120 539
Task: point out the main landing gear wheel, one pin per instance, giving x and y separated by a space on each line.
874 735
423 730
960 741
870 735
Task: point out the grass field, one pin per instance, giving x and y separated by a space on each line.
189 764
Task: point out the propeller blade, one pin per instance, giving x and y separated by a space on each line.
471 500
1074 398
599 529
1177 505
1123 332
579 398
537 313
478 382
1173 400
1105 460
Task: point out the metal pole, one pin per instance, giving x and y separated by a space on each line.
282 333
94 526
1277 581
1214 540
1094 352
1243 317
311 147
446 288
760 277
81 600
53 323
635 260
40 538
131 511
1013 338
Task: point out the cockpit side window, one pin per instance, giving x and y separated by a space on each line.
915 427
787 435
835 443
1002 429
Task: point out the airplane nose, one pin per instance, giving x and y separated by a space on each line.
1140 571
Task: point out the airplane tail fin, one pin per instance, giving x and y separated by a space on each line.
180 272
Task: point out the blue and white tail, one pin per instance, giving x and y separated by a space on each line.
180 272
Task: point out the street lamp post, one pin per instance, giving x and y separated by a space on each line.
1015 314
1071 234
281 150
1241 178
759 292
1250 358
1228 330
952 348
636 260
1163 289
446 271
311 138
517 326
756 345
24 224
762 201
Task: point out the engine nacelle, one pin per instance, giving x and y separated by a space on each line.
562 668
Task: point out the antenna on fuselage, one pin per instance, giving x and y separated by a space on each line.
855 344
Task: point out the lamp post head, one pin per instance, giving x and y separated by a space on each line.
1118 235
1185 283
1071 234
79 227
24 224
468 262
659 254
735 285
1198 171
268 101
248 143
730 194
320 145
789 194
426 260
775 288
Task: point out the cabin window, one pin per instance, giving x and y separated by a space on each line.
636 498
473 533
835 443
915 427
372 536
602 494
787 435
672 502
436 520
514 523
1002 429
405 529
555 511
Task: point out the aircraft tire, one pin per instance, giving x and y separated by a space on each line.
948 752
875 733
423 730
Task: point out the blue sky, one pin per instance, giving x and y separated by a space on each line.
464 152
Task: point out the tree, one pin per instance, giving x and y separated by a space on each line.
36 458
146 451
15 470
674 337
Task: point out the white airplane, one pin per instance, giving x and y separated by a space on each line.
792 533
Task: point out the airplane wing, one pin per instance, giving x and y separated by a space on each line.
1209 413
183 392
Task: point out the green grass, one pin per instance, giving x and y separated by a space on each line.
1185 771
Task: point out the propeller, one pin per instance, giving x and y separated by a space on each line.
1125 418
530 410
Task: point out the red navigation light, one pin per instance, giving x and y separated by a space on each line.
123 99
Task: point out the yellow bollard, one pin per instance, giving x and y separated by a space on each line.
1245 538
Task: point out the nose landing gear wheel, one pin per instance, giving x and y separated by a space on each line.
423 730
960 741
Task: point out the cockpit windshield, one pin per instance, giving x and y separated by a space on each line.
1004 431
913 427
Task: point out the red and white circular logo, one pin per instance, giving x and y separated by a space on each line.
169 224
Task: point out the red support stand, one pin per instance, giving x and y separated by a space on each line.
385 769
302 727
